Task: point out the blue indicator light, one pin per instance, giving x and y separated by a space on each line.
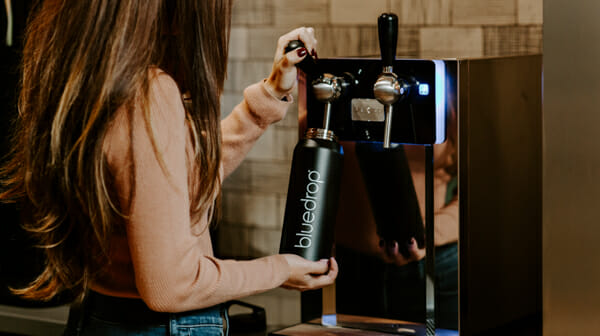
440 101
423 89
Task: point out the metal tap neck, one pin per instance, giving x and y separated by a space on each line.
319 133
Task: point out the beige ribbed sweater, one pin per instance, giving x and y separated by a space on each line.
163 257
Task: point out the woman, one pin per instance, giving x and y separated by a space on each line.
120 178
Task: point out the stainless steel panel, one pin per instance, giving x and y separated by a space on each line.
571 167
500 188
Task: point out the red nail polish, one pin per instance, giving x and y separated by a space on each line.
314 54
301 52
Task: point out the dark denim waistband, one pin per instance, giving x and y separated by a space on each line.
122 310
131 311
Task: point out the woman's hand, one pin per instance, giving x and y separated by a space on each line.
305 274
390 253
283 76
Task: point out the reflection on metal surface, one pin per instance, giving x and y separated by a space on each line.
387 88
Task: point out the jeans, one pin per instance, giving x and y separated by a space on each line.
101 315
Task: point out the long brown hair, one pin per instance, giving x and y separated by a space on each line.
82 60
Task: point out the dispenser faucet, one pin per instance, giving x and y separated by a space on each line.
388 88
327 89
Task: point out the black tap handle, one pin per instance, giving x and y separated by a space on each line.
308 64
388 37
295 44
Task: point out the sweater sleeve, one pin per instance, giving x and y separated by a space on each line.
247 122
173 266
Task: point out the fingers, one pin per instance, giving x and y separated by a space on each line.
394 253
333 268
301 266
304 34
318 267
321 281
390 252
293 57
308 275
283 75
414 251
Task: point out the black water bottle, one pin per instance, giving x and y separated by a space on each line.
313 192
313 195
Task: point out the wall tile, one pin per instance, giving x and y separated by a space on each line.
275 144
253 71
294 13
262 42
408 42
290 308
503 41
282 201
368 44
451 42
238 43
242 73
253 12
270 176
356 11
488 12
263 242
228 102
264 176
338 41
240 178
291 117
530 11
422 12
265 148
234 72
287 139
251 209
233 241
223 246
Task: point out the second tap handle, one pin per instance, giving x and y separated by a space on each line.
388 37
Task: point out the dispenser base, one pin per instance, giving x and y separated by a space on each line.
360 325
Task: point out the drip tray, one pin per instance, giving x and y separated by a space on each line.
359 325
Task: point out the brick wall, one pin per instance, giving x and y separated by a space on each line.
254 196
